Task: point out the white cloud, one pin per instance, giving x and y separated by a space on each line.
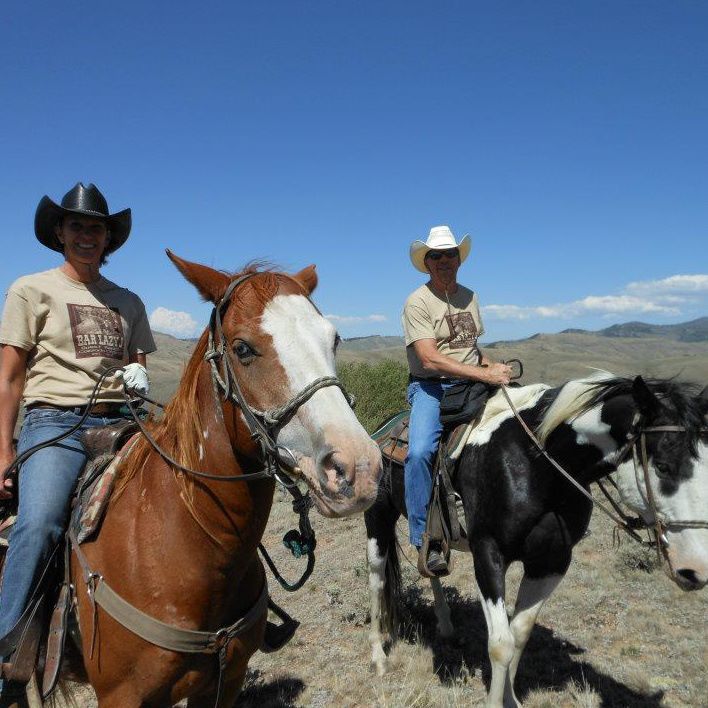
179 324
610 304
351 319
663 297
673 284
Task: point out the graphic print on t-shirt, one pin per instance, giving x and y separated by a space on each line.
463 330
97 331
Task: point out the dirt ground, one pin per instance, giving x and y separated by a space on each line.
617 632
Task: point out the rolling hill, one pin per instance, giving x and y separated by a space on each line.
633 348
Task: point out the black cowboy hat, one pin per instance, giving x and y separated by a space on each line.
80 200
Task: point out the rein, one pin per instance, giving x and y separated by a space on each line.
641 460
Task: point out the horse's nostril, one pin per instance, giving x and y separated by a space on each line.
336 469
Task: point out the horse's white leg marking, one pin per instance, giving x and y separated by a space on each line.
377 579
500 646
442 610
532 595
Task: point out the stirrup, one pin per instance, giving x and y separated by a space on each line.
278 635
423 558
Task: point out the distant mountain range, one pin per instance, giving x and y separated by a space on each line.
693 331
632 348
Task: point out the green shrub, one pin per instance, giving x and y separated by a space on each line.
379 389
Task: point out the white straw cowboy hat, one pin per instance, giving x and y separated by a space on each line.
440 238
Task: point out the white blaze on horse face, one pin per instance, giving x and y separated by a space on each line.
687 548
339 460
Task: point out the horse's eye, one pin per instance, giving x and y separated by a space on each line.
662 469
244 352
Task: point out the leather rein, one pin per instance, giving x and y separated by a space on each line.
636 445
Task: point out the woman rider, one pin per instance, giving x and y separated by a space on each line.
61 329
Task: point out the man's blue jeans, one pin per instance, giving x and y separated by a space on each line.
46 482
423 438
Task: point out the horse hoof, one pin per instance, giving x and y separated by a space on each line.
379 662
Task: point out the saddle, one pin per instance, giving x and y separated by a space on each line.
444 526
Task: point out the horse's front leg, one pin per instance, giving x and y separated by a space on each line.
377 582
533 593
490 570
442 610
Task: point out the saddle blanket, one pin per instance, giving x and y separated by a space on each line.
94 490
392 436
495 413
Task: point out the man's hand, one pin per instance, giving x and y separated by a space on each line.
497 374
135 377
6 483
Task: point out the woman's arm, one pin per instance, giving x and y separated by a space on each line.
13 369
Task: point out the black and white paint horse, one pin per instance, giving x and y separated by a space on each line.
517 507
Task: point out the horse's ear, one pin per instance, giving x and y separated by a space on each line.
703 401
647 402
210 283
307 277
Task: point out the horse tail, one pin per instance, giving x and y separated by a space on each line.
384 565
392 588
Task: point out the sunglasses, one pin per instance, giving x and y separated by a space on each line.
437 255
76 227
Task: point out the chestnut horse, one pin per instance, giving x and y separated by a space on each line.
182 548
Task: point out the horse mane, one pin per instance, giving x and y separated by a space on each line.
581 395
179 431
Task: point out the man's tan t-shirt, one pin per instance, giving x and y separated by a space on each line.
454 325
73 332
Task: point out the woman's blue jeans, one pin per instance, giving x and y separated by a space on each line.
46 482
423 437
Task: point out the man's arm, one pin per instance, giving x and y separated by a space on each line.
436 363
13 370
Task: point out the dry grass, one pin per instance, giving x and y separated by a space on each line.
617 632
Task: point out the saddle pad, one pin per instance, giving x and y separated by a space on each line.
95 489
496 411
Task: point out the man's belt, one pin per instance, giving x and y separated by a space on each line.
427 379
108 410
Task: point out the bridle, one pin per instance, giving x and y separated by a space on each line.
637 447
641 460
278 461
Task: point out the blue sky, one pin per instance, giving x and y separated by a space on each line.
569 140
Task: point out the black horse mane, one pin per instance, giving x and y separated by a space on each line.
679 397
